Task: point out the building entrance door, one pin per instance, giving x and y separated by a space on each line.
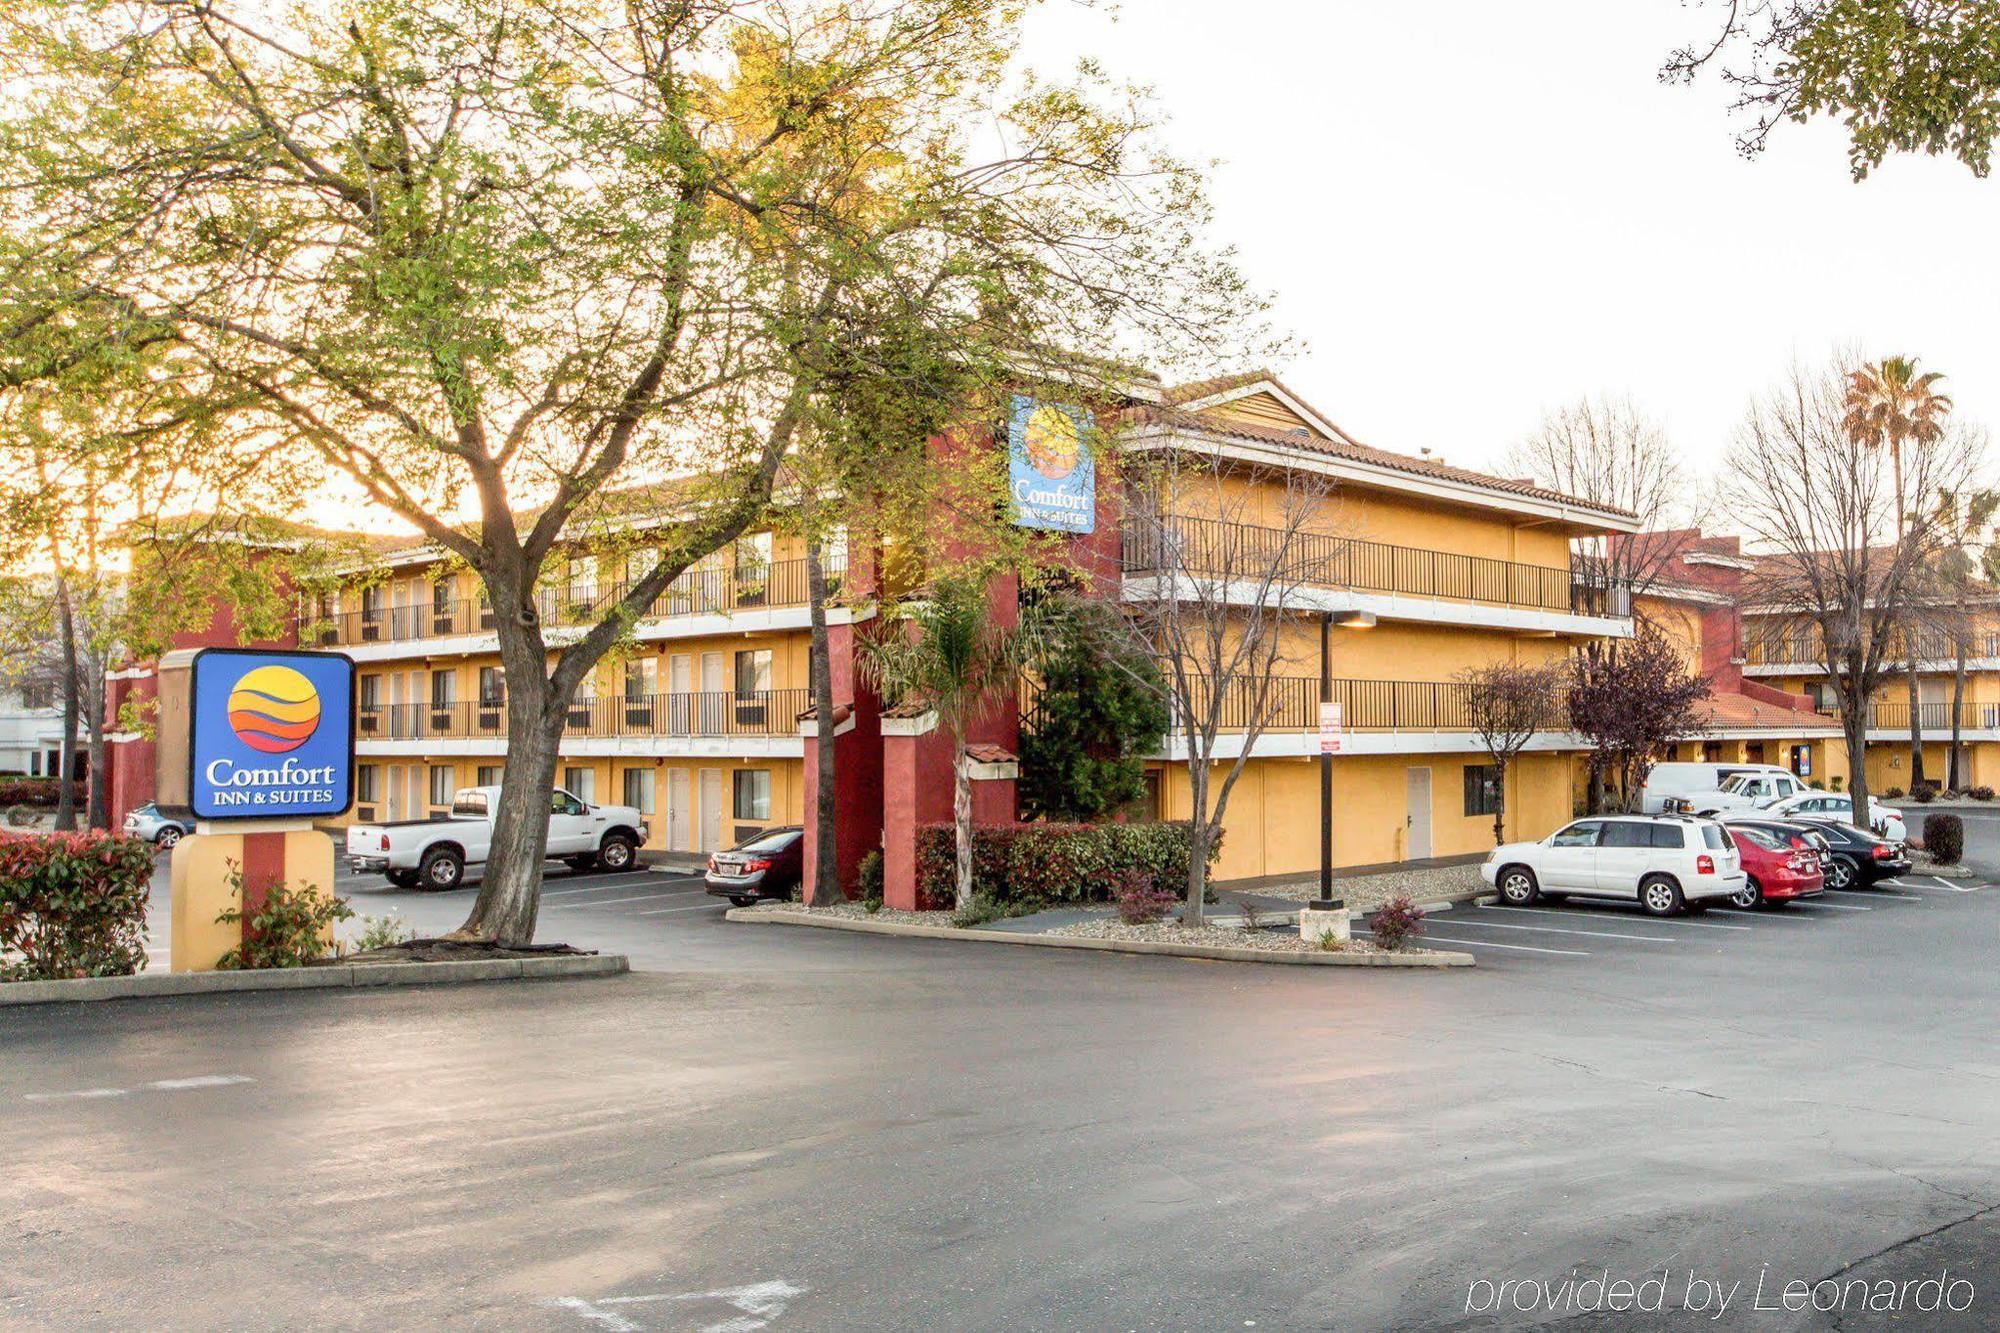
1418 820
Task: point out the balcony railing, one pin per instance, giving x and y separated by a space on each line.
1212 549
705 714
1933 718
701 591
1291 703
1932 647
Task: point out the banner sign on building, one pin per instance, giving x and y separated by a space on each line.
1329 728
272 734
1049 466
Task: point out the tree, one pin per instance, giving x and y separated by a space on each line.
946 652
1888 405
494 265
1822 504
1507 705
1099 707
1631 704
1962 580
1222 557
1903 76
1608 451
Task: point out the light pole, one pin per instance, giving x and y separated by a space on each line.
1327 620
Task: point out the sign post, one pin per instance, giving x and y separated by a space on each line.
269 747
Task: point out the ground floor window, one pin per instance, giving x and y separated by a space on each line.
442 778
581 783
1482 789
367 783
489 775
639 787
753 793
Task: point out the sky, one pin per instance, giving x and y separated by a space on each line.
1471 212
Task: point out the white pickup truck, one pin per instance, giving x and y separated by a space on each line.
435 852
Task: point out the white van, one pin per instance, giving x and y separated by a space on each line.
1701 786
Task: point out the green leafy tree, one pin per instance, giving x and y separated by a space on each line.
1964 573
1099 707
497 268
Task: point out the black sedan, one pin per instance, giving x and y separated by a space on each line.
1859 858
769 865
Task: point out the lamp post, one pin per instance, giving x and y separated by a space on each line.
1327 621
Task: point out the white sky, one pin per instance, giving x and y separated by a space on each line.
1471 211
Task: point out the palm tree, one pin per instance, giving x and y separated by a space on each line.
1889 404
945 653
1964 560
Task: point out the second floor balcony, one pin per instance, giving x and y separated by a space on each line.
1933 719
1929 647
706 715
1212 549
700 591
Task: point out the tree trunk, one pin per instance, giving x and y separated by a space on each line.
1500 808
1916 726
1855 724
961 820
1194 910
72 687
827 887
100 796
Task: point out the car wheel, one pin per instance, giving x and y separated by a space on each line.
1749 896
1517 886
617 854
403 879
743 900
1841 873
441 868
1660 896
169 835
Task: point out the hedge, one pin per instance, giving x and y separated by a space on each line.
73 905
1944 839
37 791
1051 863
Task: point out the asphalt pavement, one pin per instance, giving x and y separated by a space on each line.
769 1127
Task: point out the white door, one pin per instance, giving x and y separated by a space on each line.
677 810
680 683
708 718
1418 820
397 809
570 825
1569 859
711 810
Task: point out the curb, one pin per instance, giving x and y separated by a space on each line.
1222 953
339 976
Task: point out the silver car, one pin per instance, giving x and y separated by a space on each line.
155 827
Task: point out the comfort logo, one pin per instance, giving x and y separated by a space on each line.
273 709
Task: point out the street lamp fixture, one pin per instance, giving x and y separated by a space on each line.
1354 619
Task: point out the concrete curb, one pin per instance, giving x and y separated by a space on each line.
338 976
1222 953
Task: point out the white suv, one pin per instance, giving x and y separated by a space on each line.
1664 864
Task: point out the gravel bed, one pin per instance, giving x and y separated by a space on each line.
856 912
1364 893
1172 932
1925 866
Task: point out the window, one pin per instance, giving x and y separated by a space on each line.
371 692
442 778
444 688
639 784
753 793
1583 833
1482 789
371 602
1668 836
1713 835
582 781
441 598
642 678
492 686
562 803
367 783
1757 837
1627 833
40 694
489 775
753 671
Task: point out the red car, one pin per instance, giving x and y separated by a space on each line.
1777 867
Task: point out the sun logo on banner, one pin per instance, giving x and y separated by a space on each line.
1054 443
273 709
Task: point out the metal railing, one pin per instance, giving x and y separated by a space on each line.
1933 718
700 591
708 713
1211 548
1291 703
1930 647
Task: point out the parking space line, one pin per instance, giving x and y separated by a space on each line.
1842 907
613 902
695 907
1938 885
1576 916
592 888
1559 930
1495 944
1879 893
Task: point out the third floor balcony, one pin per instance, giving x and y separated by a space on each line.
1211 549
705 714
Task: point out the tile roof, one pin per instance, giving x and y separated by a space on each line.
1728 711
909 708
990 754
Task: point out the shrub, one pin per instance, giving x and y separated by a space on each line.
1981 793
868 878
1397 923
1893 794
983 909
1045 863
1817 785
21 816
1141 899
1944 838
1924 794
73 905
38 791
1838 784
286 931
382 932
